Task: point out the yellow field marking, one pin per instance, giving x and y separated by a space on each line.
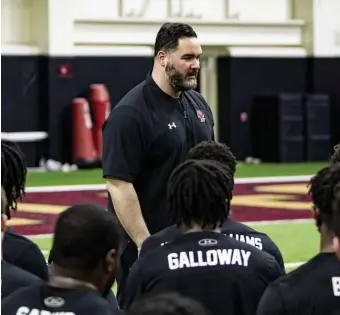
40 208
283 188
285 202
21 221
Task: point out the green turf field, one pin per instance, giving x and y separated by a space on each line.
298 241
84 177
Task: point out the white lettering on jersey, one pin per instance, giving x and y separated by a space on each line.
211 257
336 286
251 240
23 310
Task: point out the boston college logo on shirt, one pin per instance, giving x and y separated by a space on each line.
200 115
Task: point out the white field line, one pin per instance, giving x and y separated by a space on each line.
254 180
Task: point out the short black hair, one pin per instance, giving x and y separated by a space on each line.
13 173
322 190
216 151
169 34
200 191
335 158
167 304
83 235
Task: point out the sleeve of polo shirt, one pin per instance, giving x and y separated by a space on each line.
125 144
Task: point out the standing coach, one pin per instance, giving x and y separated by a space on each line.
148 133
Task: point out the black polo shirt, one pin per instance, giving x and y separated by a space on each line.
147 134
232 228
313 288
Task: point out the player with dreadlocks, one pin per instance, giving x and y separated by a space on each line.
335 158
219 152
202 263
313 288
17 249
13 173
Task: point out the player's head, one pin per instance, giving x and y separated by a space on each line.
335 158
85 245
216 151
322 190
13 173
336 210
177 52
199 192
167 304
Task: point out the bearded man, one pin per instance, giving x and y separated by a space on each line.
148 133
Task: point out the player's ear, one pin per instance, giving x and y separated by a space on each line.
162 58
111 258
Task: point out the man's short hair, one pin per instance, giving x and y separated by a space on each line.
83 235
167 304
169 34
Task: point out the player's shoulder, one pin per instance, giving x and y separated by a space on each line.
159 239
19 242
233 226
21 295
14 272
322 265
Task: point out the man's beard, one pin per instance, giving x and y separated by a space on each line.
179 80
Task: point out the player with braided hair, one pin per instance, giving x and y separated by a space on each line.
202 263
219 152
313 288
13 173
17 249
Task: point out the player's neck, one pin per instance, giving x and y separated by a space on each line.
326 243
163 83
198 228
65 278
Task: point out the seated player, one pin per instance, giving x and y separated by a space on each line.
17 249
85 247
12 277
313 288
211 150
335 158
167 304
202 263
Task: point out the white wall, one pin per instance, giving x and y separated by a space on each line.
16 22
326 28
260 10
68 27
